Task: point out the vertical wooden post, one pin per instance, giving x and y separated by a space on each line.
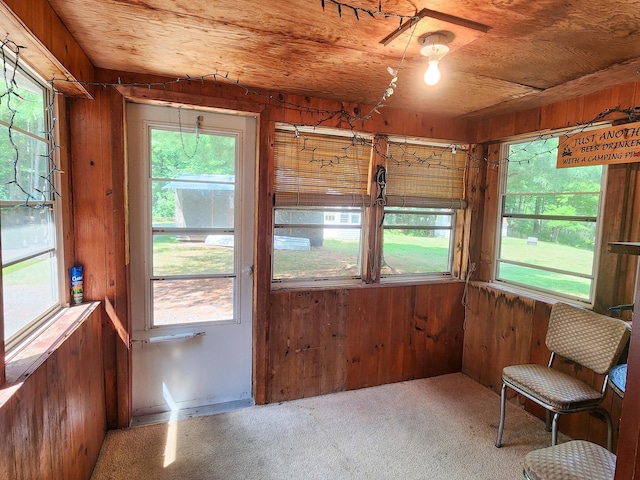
116 218
374 215
470 242
262 257
486 256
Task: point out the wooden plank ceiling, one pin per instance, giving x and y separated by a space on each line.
535 52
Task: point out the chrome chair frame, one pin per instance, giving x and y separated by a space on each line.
580 336
552 424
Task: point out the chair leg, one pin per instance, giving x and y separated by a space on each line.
548 420
554 429
503 402
607 419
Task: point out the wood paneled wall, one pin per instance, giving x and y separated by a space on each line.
565 114
306 342
100 142
504 327
53 421
379 334
98 189
296 352
289 108
324 341
47 45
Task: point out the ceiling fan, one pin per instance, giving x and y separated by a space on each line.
445 17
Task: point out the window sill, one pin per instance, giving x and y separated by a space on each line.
532 295
418 279
35 352
359 285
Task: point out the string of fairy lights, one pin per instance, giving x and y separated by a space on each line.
357 11
409 156
32 195
440 156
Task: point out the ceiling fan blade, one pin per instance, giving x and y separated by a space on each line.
445 17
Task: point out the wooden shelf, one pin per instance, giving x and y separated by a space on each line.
630 248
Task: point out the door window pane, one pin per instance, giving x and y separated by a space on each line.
192 254
188 202
193 216
192 301
176 153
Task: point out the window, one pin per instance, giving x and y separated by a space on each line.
194 218
320 194
31 286
548 231
425 187
416 241
326 226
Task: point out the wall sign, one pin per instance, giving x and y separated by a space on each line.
620 144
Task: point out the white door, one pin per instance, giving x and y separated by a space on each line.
191 197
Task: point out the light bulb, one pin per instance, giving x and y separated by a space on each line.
432 75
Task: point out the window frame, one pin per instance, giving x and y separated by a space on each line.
372 217
431 201
501 203
339 204
154 231
333 280
403 277
50 137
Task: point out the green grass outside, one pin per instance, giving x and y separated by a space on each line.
554 282
334 258
402 255
339 258
547 254
27 272
172 257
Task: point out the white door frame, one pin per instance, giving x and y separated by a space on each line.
183 366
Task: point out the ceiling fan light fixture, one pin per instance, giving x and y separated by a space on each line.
434 46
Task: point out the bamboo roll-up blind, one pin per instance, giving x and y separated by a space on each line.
425 176
314 169
418 202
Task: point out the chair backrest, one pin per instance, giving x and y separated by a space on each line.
588 338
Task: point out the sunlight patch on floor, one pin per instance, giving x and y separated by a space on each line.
171 444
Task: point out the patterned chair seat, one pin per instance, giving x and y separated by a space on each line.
552 387
588 339
574 460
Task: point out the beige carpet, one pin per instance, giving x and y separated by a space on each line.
437 428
